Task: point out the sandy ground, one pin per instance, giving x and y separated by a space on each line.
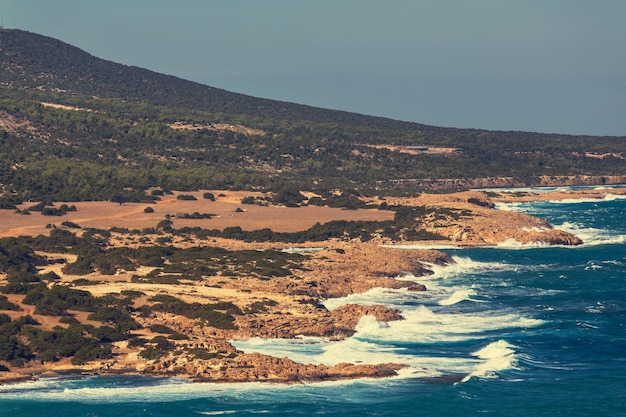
104 215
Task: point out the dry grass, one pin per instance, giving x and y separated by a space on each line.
104 215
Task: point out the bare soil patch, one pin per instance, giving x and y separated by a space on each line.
104 215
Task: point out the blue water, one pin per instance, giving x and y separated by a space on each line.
506 331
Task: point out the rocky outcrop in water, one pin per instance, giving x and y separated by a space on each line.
263 368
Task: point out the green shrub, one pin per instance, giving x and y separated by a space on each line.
5 304
71 225
132 293
161 328
123 321
91 352
13 351
186 197
203 354
137 341
219 315
152 353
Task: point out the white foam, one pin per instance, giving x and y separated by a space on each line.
75 390
458 296
375 296
422 325
422 246
592 236
548 189
529 206
170 390
515 244
377 343
438 290
510 206
606 197
462 265
496 356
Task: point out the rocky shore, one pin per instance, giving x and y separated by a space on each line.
290 307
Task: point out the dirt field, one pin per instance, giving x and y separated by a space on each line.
103 215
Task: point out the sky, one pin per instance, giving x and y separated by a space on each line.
552 66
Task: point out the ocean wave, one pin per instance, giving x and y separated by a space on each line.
119 389
462 265
592 236
549 189
376 296
378 342
531 207
439 291
606 197
515 244
423 326
417 246
495 357
511 206
113 390
459 296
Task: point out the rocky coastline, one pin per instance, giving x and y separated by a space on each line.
292 305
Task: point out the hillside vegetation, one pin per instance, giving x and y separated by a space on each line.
75 127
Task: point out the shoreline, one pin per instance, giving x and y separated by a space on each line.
340 269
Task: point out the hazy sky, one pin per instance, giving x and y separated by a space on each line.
535 65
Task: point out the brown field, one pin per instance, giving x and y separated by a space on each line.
103 215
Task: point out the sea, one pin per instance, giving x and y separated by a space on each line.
510 330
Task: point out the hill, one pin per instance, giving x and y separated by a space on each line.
75 127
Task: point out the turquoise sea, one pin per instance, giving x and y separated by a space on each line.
506 331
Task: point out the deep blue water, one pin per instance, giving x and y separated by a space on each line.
506 331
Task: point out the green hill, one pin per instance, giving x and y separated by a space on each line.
76 127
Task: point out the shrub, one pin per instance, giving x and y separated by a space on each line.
13 351
148 210
212 314
152 353
123 321
161 328
132 293
137 341
5 304
108 334
68 320
50 277
93 351
178 336
203 354
70 225
185 197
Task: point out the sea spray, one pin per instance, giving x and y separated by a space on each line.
497 356
459 296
